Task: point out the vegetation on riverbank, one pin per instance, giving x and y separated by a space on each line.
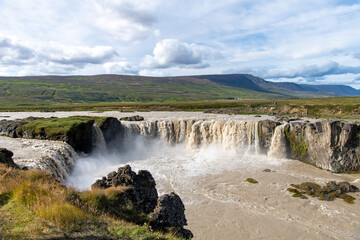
33 205
58 127
334 107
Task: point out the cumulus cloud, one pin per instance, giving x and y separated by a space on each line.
52 57
126 20
77 55
173 53
12 53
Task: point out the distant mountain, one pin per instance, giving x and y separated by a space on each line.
124 88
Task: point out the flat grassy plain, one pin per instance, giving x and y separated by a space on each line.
330 107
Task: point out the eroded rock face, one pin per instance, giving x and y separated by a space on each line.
144 194
170 213
331 145
266 131
111 129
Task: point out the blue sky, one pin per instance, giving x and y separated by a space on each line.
315 42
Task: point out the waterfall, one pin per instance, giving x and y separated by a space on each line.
57 157
197 133
278 147
98 140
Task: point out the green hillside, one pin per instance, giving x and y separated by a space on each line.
45 90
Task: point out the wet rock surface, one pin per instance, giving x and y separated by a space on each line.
331 145
266 131
329 192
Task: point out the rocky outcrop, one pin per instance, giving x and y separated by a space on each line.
132 118
331 145
170 213
113 133
78 136
110 128
167 213
144 194
6 158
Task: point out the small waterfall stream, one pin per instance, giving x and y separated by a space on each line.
98 140
278 147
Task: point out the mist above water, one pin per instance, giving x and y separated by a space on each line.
174 166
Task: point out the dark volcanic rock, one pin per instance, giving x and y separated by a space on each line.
11 128
80 138
132 118
170 213
6 158
144 194
111 129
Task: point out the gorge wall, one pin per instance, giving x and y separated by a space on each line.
330 145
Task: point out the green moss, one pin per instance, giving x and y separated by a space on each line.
251 180
293 190
347 198
330 192
298 145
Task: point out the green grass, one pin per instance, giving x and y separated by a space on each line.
35 206
58 127
332 107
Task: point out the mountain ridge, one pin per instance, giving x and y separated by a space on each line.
128 88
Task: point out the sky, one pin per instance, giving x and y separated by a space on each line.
302 41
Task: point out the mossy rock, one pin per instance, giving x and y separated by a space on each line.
329 192
251 180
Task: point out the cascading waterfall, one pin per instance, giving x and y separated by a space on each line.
278 147
58 158
98 140
198 133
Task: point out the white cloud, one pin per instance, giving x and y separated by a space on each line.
76 55
51 57
173 53
12 53
127 20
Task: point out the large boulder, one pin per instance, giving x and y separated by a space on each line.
144 194
6 158
170 213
